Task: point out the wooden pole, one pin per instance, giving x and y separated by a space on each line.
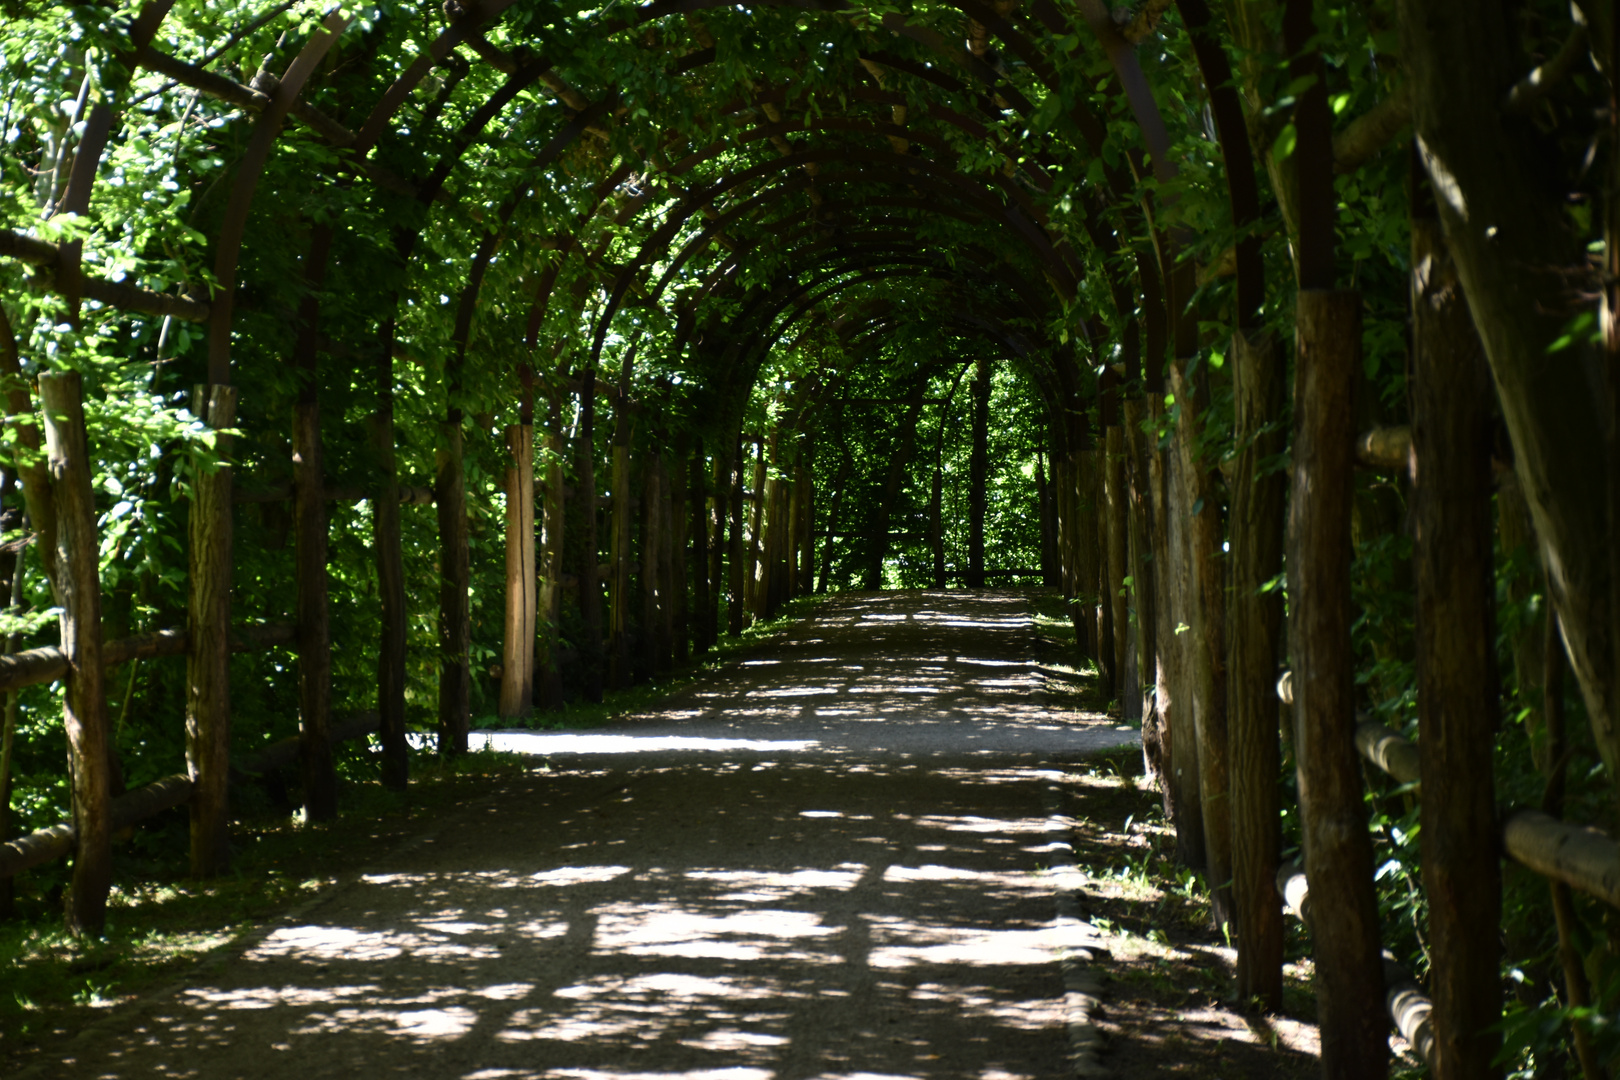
652 543
1452 432
313 621
84 711
807 522
698 495
1140 505
678 627
734 559
208 652
1254 644
978 474
455 618
522 579
389 552
548 679
590 588
1081 485
719 493
1102 587
1117 530
1205 642
1338 851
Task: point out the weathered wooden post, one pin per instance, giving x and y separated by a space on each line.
548 679
1338 851
78 592
314 633
1254 647
389 553
522 579
455 619
1452 399
208 648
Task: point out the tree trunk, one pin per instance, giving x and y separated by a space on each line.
893 482
1051 576
807 522
1457 697
389 548
978 474
1206 641
1338 851
84 706
832 521
1254 644
719 496
1081 484
208 645
1114 492
455 621
313 621
756 522
652 545
518 639
1140 501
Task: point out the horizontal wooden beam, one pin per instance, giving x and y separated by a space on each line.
133 807
48 257
49 663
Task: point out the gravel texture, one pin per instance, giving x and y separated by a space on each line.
836 858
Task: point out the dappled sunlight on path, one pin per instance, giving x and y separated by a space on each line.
733 896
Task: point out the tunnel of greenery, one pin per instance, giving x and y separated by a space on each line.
523 350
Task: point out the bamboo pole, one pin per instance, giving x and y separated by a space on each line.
84 711
208 674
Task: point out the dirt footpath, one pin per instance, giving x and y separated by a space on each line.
831 860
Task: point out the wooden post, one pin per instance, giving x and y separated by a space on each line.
1103 585
652 544
1206 641
622 517
807 522
548 679
1452 400
978 474
755 524
389 552
455 619
314 633
702 633
734 558
1114 492
1338 851
679 621
1254 646
1140 504
1082 529
78 593
522 580
208 647
590 588
719 492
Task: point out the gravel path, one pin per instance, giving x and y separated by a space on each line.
831 860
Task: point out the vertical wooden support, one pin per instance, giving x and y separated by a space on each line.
734 557
455 618
1254 645
1117 528
621 514
522 579
548 679
1184 802
679 622
389 552
1338 851
978 474
756 523
590 587
1452 399
719 494
1205 613
652 545
702 628
208 649
314 632
78 593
